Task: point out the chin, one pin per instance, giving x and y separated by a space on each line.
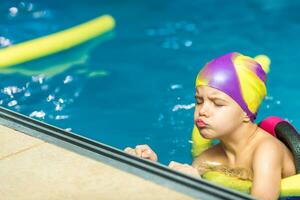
208 137
206 134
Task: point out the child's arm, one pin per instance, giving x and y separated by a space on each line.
184 168
267 167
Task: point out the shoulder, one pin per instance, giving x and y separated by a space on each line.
267 144
268 152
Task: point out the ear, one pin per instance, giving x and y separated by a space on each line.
246 118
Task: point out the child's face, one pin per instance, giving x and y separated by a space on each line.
216 113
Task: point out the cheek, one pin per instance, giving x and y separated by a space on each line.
226 120
196 111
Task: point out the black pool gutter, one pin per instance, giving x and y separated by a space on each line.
155 172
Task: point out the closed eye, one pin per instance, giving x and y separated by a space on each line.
218 104
199 100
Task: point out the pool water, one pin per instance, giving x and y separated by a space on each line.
136 84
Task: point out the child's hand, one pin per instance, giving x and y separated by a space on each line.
142 151
185 168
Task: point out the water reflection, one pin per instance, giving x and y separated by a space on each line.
58 63
51 84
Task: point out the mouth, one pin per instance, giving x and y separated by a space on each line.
200 123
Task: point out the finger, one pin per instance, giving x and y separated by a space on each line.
173 164
138 151
177 168
140 148
130 150
143 147
127 149
148 154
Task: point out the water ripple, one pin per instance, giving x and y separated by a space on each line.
4 42
185 107
175 35
40 97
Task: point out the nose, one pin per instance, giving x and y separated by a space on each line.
203 110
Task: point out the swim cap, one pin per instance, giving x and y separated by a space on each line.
241 77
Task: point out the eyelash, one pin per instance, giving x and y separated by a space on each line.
218 105
198 102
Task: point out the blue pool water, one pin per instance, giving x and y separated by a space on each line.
137 85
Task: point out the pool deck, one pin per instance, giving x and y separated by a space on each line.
31 168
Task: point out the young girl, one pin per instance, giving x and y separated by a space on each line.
229 91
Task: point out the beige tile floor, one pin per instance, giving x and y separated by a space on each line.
33 169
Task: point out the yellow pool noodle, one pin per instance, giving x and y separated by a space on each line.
56 42
289 185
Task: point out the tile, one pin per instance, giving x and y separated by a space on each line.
51 172
12 142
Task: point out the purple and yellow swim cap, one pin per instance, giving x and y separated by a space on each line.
241 77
